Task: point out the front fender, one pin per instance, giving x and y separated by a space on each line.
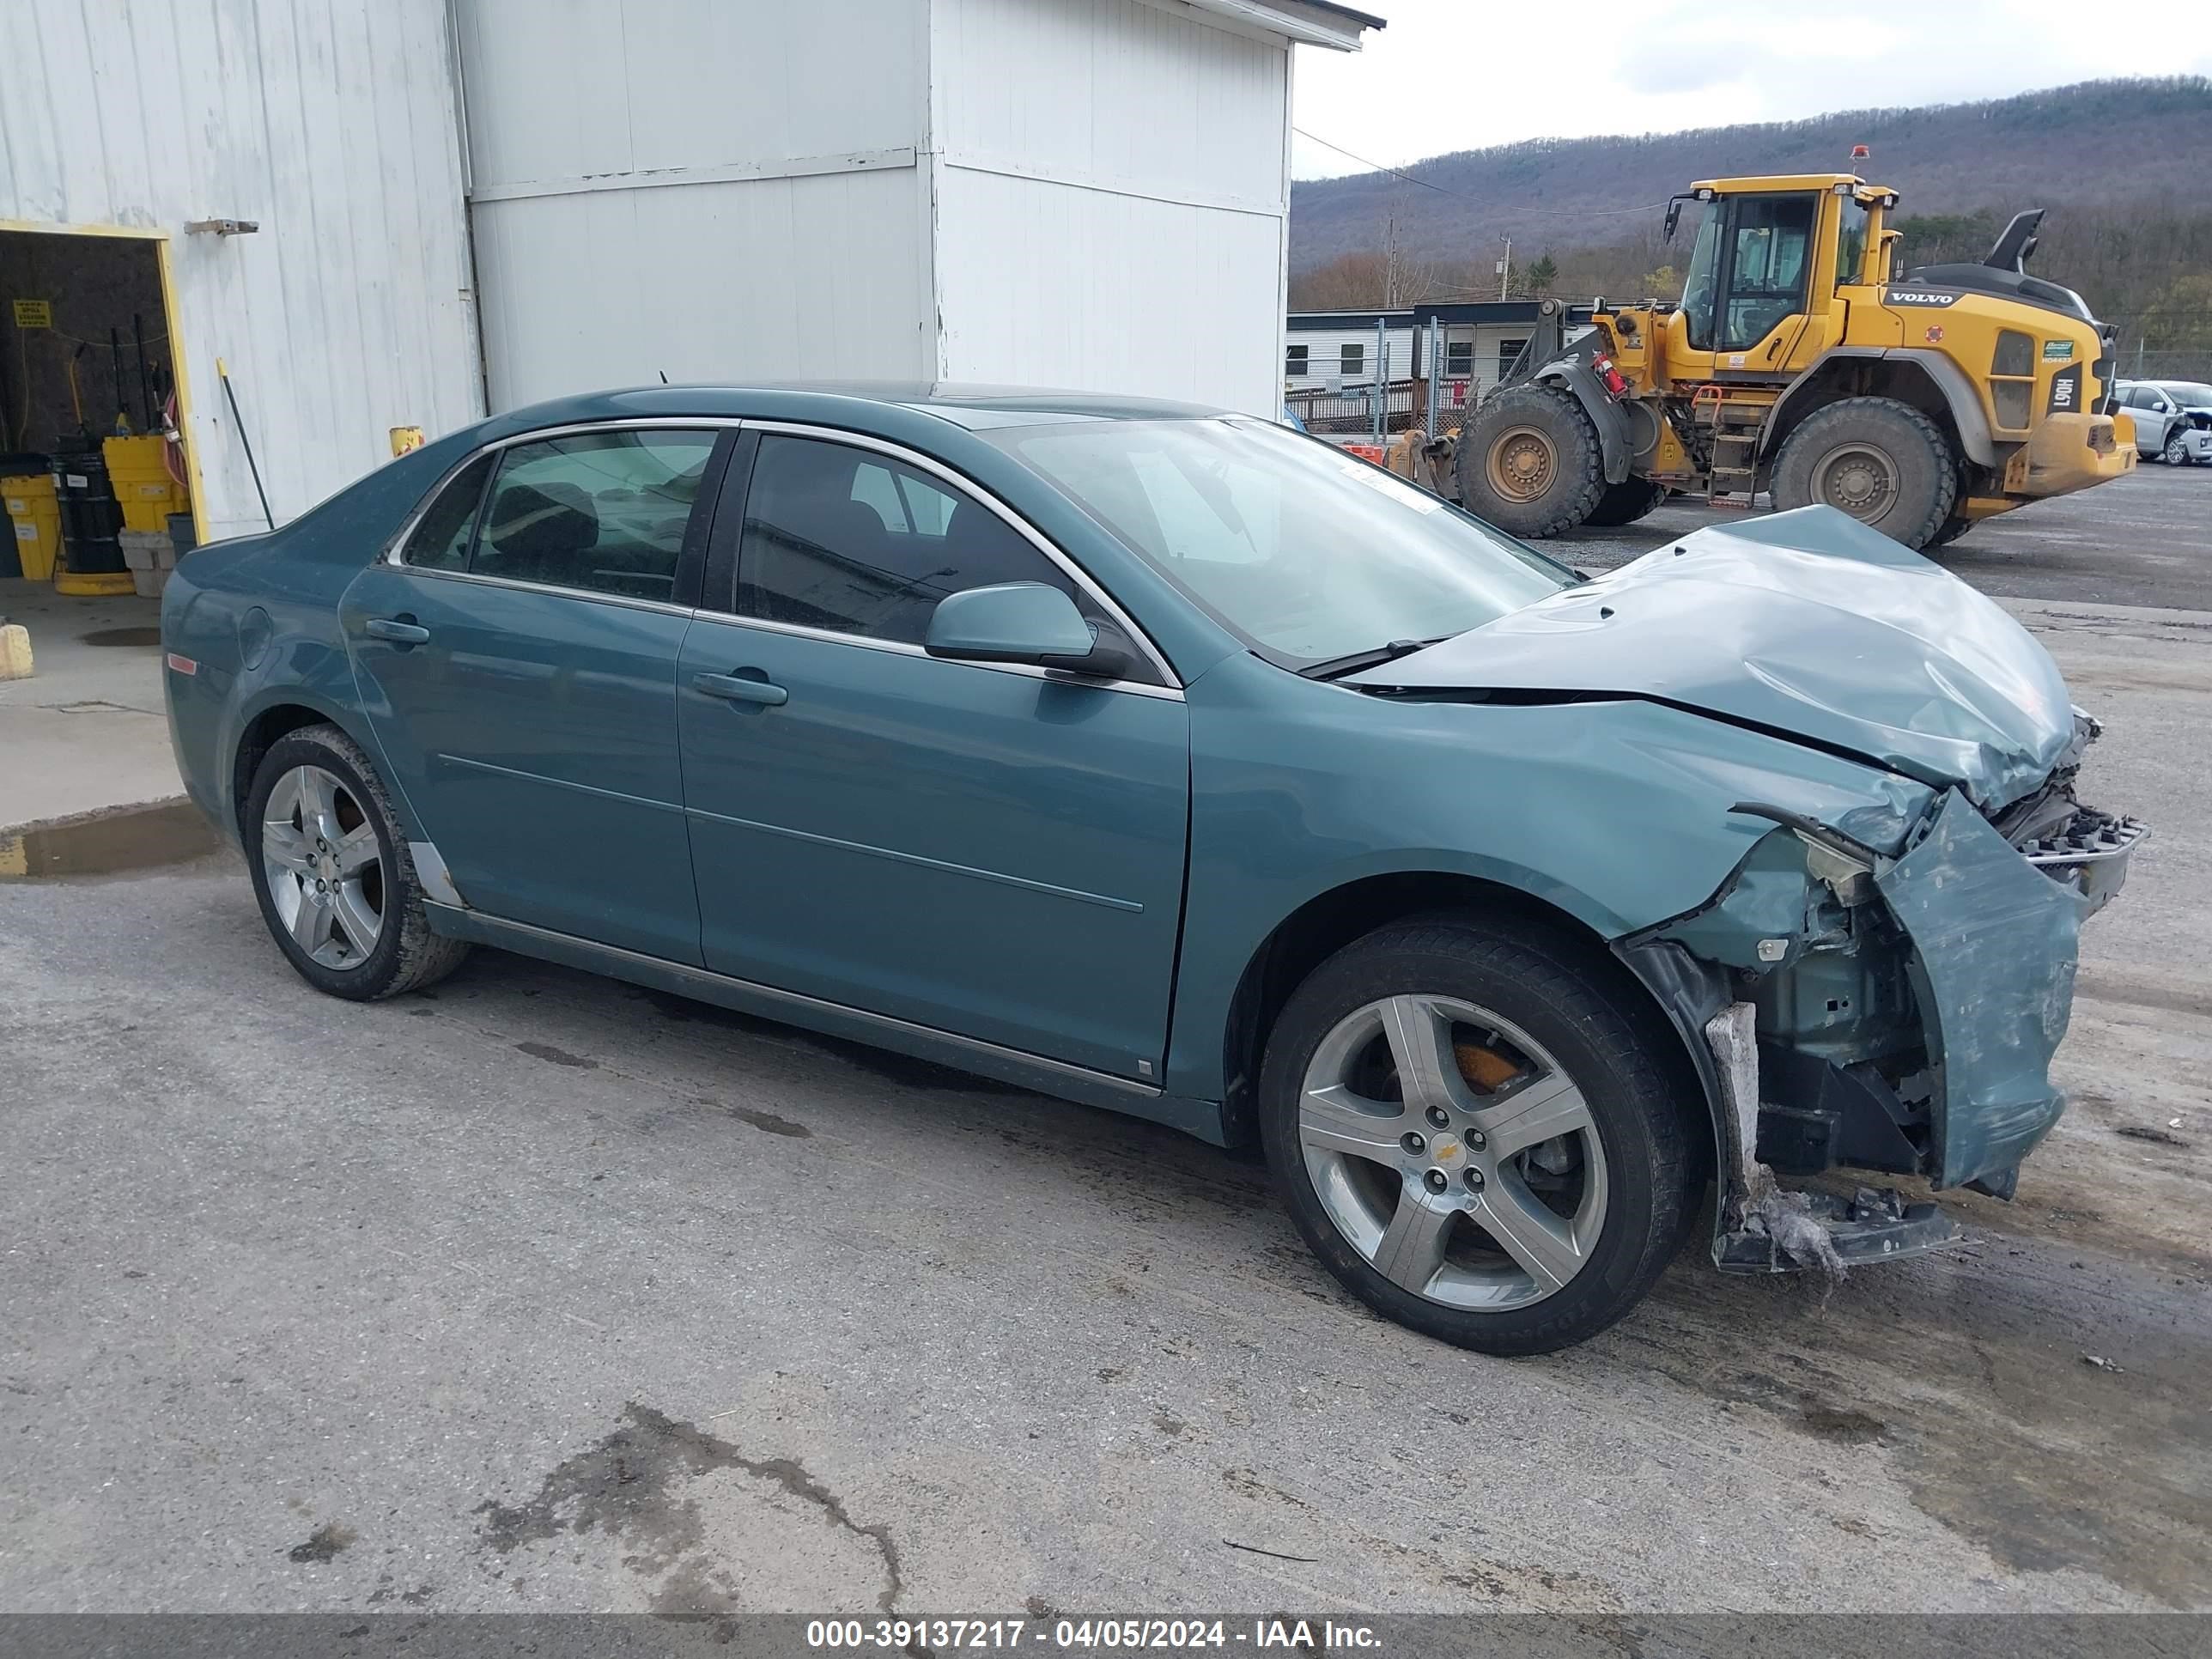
1610 419
1616 812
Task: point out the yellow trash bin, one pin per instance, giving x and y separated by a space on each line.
34 519
142 484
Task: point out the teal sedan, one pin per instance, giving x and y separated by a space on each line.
1173 761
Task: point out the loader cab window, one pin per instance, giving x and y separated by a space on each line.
1772 237
1850 240
1702 282
1749 269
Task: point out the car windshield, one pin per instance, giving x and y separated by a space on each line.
1308 554
2195 394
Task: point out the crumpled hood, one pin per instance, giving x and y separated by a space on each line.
1805 621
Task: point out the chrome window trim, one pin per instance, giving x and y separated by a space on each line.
394 548
1021 527
628 602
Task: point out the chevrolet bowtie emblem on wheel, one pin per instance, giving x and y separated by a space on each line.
1445 1148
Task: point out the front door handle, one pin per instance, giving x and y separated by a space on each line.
398 632
740 688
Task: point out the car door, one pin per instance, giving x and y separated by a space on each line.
988 850
517 657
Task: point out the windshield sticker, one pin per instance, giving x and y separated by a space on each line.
1389 484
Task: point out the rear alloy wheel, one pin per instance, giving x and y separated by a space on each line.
1473 1139
1528 461
1883 462
333 874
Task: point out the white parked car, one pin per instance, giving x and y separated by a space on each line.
2173 419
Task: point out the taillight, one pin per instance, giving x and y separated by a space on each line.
1611 376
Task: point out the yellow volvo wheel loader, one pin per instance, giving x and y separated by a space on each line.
1797 364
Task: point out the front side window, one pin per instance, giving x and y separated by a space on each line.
1351 359
853 542
1301 550
603 512
440 537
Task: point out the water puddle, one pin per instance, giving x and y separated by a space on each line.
122 636
108 843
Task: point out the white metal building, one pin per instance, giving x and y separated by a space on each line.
332 125
1088 193
1476 340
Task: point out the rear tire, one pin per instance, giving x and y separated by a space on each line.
332 872
1529 461
1625 502
1556 1170
1883 462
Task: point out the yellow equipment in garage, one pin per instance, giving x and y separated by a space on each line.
143 489
34 519
1798 364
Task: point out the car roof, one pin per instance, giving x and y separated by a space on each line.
962 403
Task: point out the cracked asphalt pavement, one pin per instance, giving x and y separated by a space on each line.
544 1292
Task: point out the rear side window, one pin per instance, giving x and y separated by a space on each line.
604 512
440 541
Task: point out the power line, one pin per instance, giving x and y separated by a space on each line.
1378 167
1584 213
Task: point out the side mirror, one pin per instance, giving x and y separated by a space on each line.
1015 621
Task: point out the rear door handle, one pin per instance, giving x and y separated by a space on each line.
399 633
737 687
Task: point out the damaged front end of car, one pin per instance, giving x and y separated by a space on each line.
1878 988
1890 1008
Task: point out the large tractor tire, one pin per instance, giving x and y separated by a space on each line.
1625 502
1528 461
1881 461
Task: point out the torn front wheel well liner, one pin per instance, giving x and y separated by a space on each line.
1324 925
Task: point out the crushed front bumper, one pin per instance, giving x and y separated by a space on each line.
1908 1024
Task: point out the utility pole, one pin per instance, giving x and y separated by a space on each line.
1505 269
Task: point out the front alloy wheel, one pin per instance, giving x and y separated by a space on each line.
2177 447
1481 1132
1453 1153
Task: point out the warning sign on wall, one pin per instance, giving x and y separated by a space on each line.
34 314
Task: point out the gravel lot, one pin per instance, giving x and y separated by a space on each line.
542 1292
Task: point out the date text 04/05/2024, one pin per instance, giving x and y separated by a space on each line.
1109 1634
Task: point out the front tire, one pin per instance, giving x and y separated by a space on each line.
1475 1137
1883 462
332 872
2176 452
1625 502
1530 462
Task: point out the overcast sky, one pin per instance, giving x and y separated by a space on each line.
1451 75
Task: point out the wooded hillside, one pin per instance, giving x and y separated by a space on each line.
2119 164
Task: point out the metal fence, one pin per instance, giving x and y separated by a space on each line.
2165 365
1360 411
